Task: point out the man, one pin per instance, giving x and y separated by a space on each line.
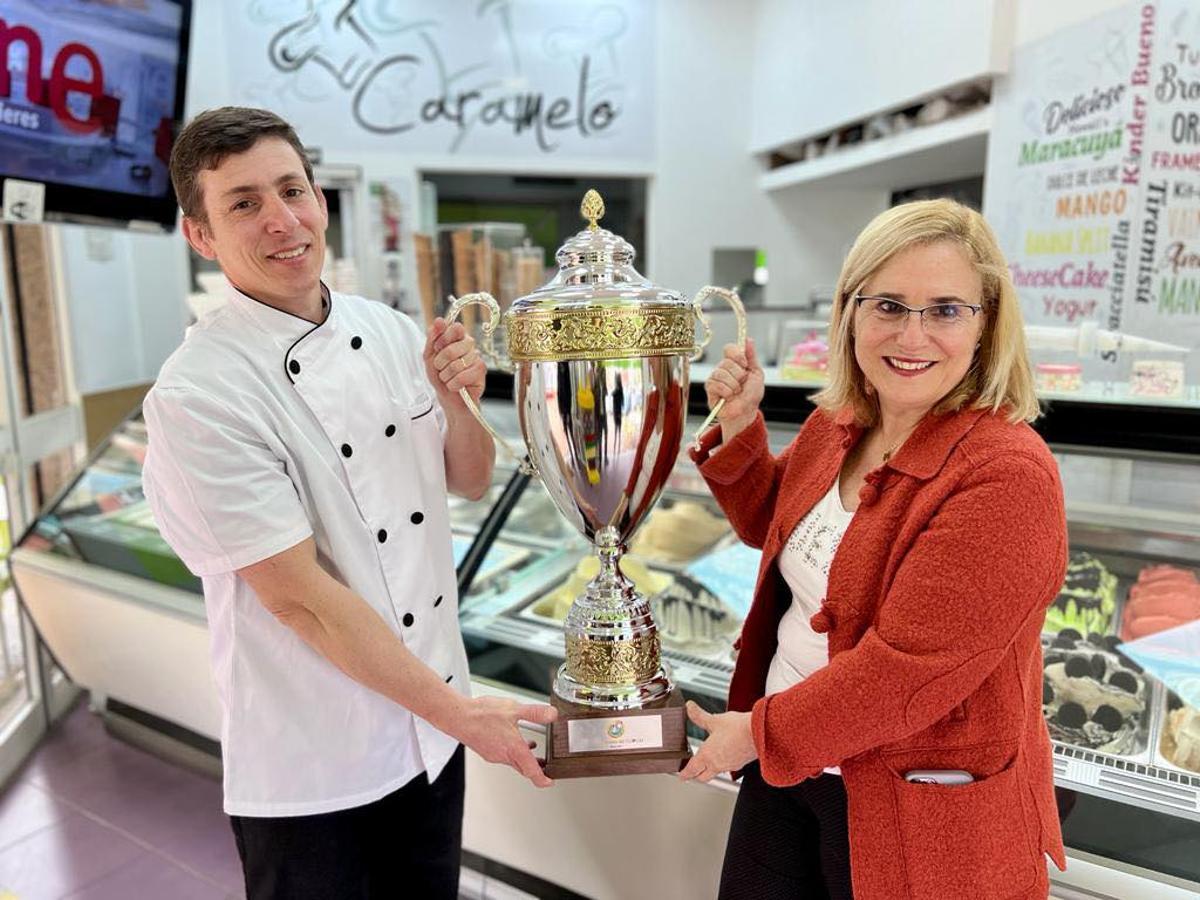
301 446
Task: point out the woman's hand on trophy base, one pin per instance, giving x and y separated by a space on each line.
453 363
729 747
737 380
488 725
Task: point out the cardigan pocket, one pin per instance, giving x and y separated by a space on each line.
967 840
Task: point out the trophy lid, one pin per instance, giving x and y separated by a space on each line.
595 268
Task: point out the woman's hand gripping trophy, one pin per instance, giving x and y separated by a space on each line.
738 381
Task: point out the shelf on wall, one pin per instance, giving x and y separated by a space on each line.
955 148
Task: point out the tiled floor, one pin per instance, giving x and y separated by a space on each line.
92 817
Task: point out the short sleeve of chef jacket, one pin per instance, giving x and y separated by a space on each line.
220 496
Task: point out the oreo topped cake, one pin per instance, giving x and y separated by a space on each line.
1093 696
1087 600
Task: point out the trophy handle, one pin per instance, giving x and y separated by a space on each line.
487 346
488 352
739 312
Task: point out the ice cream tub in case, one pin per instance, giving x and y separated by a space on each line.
678 533
551 606
1095 698
1177 735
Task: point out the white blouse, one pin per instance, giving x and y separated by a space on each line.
804 563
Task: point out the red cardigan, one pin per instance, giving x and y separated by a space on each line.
936 599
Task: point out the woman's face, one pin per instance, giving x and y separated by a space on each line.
914 361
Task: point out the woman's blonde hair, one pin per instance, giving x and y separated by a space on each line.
999 376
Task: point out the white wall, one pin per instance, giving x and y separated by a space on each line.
820 65
125 304
705 192
1036 19
208 74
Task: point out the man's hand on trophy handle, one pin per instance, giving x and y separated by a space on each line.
453 363
470 390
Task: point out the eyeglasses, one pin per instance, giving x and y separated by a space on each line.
941 318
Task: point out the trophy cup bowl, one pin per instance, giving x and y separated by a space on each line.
601 374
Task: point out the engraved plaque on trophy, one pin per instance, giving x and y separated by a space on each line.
601 359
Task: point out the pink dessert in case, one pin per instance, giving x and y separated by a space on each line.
1163 597
1058 377
1156 378
809 360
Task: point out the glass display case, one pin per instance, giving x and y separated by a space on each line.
1086 363
122 615
102 518
1127 760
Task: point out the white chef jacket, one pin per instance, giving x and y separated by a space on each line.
265 429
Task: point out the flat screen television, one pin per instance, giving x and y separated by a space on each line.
91 97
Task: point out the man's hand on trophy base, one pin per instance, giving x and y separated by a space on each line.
729 747
488 725
453 363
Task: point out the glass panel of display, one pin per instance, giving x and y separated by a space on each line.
103 518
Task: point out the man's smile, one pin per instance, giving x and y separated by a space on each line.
290 253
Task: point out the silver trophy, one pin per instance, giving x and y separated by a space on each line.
601 360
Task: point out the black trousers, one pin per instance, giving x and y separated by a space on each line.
788 843
407 844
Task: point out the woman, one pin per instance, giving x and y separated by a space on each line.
913 535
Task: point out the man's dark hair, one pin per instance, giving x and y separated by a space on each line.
215 134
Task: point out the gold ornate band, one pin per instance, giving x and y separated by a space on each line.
613 333
613 662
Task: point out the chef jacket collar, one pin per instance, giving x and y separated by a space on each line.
926 451
283 327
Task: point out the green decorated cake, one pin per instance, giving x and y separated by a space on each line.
1088 598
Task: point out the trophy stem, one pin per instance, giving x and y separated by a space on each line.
610 583
613 655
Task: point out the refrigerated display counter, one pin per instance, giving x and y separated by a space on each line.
126 620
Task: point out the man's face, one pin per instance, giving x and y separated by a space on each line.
266 224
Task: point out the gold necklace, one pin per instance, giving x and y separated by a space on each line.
891 451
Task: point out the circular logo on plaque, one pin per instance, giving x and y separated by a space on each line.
616 729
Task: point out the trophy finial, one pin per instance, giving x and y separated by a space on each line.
592 208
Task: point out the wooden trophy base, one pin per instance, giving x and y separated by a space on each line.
586 741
